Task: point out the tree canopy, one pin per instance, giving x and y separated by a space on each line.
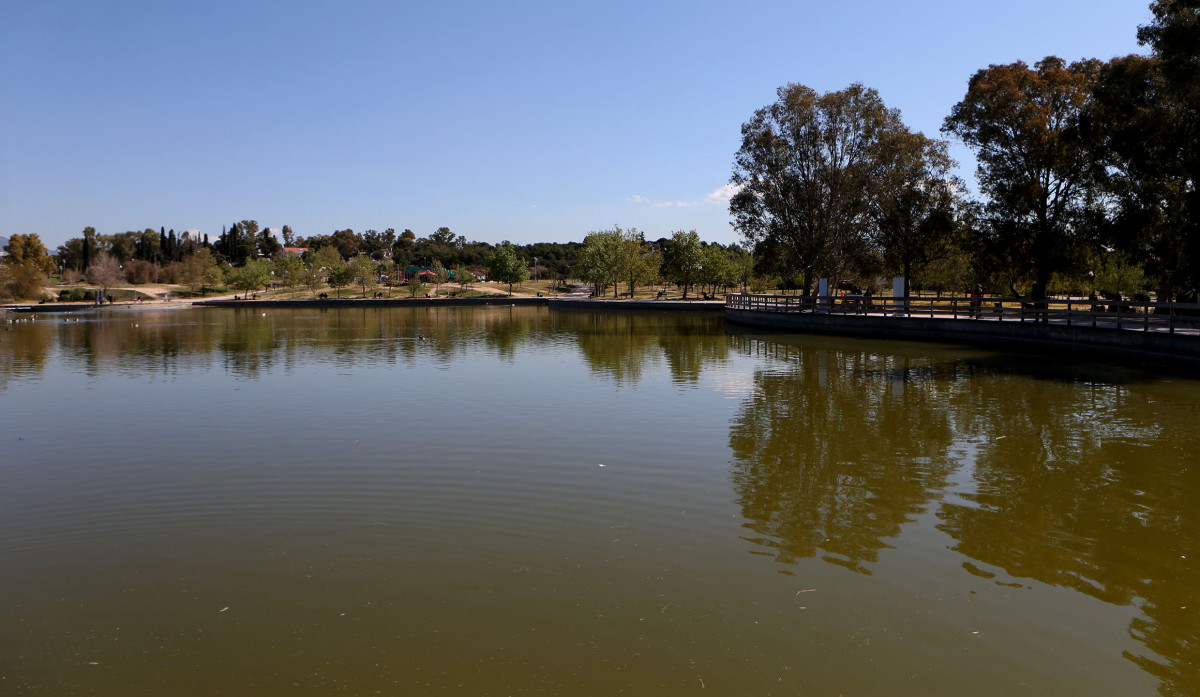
1035 162
915 202
505 266
803 174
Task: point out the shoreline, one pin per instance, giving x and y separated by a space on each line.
560 301
1172 351
1175 352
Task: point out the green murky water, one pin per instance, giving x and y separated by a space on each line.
503 501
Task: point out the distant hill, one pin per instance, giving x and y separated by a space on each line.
3 244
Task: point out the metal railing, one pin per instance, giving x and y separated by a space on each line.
1169 317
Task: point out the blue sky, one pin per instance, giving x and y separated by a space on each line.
526 121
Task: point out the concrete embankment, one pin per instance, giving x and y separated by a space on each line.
560 303
1160 348
653 305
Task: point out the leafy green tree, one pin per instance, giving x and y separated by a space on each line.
1135 122
289 269
245 241
312 277
196 270
506 267
267 245
443 236
744 261
915 196
251 277
168 250
953 273
1115 273
599 261
289 237
387 269
1150 120
214 276
402 249
415 286
362 269
28 249
718 268
439 275
121 246
377 245
341 277
1036 165
803 176
21 280
347 243
683 259
70 254
464 277
89 248
154 246
323 259
637 262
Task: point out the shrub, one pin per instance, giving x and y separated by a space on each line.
140 272
21 281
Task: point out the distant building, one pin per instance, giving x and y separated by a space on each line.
295 251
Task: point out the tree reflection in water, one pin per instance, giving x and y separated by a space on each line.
620 345
836 452
1092 487
1070 479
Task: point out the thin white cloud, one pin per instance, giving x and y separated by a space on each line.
723 194
638 198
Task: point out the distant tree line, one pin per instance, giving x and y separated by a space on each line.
1087 176
249 257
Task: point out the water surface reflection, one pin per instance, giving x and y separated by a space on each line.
1037 471
514 499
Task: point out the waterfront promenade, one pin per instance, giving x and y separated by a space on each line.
1164 333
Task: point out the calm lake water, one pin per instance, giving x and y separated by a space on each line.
535 501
